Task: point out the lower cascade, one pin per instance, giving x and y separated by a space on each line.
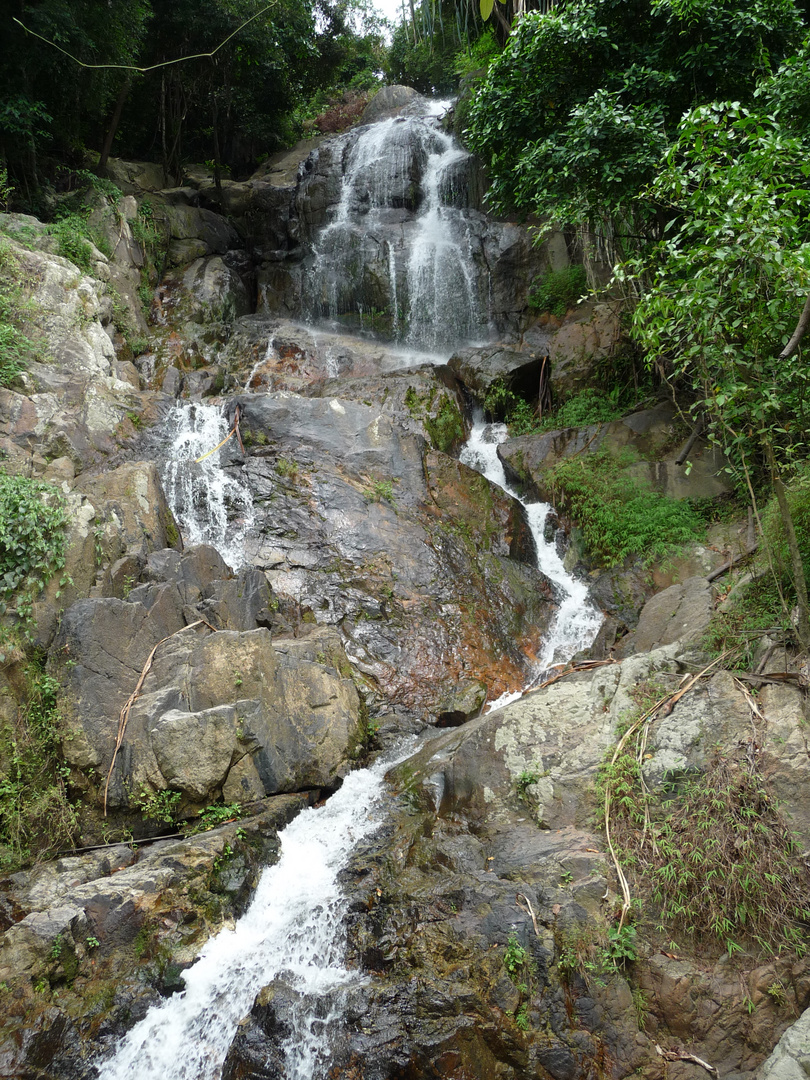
292 930
577 620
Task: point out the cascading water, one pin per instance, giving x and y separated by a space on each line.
398 257
577 621
292 930
210 506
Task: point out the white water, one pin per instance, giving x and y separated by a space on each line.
210 506
293 930
577 621
418 267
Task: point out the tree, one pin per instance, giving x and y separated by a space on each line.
724 290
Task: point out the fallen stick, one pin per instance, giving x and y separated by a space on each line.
732 562
680 1055
123 716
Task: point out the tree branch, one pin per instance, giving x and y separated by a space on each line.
798 333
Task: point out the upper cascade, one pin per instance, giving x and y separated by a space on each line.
401 253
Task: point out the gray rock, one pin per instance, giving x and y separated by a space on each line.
680 613
790 1059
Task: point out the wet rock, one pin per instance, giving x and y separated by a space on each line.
651 434
424 565
478 368
579 345
790 1059
101 936
390 101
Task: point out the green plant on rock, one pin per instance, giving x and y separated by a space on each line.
33 540
74 238
622 946
16 349
213 816
558 290
619 516
160 806
588 407
36 817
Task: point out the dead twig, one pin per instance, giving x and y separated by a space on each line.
529 910
123 716
681 1055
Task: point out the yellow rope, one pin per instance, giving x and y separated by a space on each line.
210 452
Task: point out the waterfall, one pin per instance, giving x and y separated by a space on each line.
398 258
210 506
293 930
577 621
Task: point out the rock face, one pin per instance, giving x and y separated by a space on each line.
648 435
361 525
222 711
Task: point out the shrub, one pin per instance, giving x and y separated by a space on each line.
618 516
585 408
74 238
773 528
32 540
558 290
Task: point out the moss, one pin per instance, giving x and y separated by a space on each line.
170 528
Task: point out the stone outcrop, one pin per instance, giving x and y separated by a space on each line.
216 711
653 438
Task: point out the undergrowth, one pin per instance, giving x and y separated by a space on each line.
617 515
587 407
558 290
711 852
36 818
16 350
33 539
75 240
739 627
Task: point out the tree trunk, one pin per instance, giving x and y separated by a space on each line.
123 94
803 627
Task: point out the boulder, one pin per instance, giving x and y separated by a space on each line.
391 101
680 613
586 339
790 1059
207 702
479 367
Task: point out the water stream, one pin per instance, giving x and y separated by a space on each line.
292 930
210 505
398 256
577 621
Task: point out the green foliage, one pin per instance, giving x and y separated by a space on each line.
738 628
478 56
622 946
773 529
618 516
15 348
213 816
32 540
514 958
585 408
6 189
426 64
726 866
445 424
36 818
574 115
726 286
502 403
160 806
73 240
381 491
524 780
558 290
